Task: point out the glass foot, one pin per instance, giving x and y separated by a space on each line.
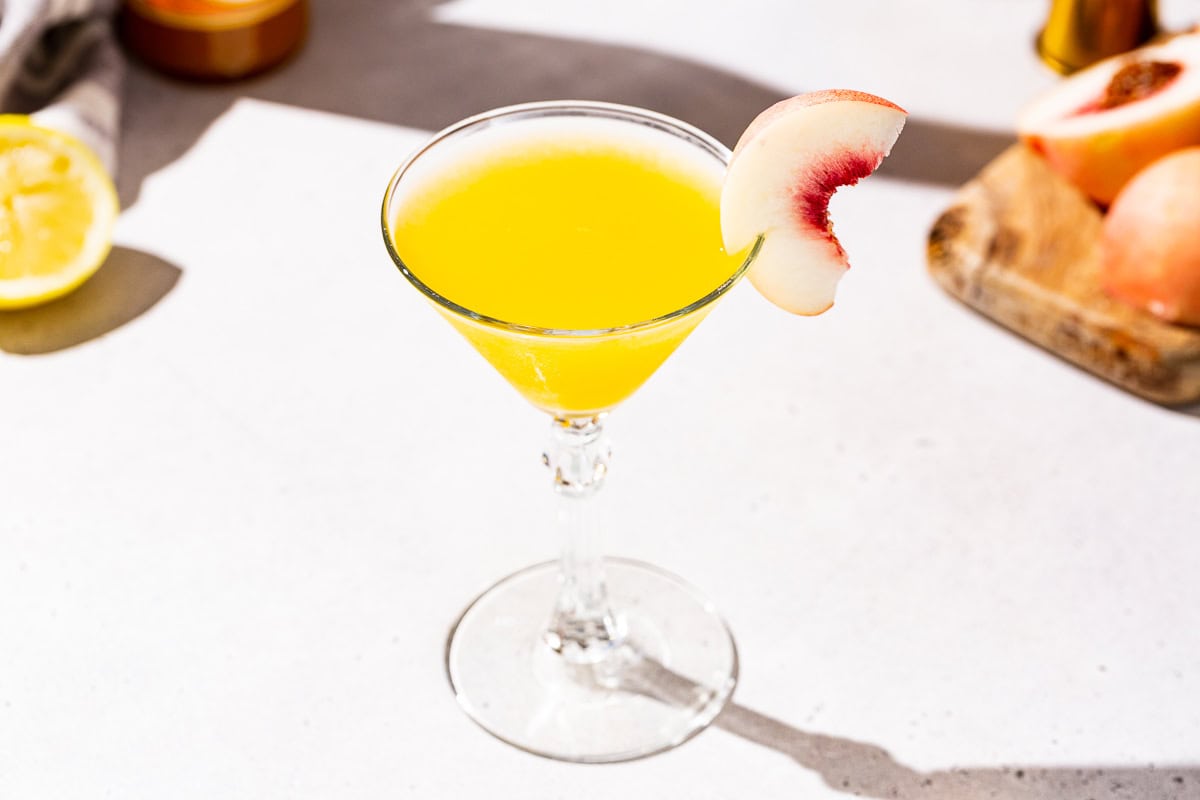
668 679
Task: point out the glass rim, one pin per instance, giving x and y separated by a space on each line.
561 108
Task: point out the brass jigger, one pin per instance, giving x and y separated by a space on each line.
1081 32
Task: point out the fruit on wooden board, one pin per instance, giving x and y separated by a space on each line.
1150 247
1102 125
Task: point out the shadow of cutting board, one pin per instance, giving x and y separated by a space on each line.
1021 245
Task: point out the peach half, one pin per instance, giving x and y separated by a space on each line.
1150 246
785 167
1100 126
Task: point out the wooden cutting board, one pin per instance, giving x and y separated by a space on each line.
1021 245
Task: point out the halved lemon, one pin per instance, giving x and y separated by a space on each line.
57 211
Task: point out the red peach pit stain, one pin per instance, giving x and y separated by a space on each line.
1134 81
812 191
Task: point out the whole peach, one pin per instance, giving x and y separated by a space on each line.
1150 248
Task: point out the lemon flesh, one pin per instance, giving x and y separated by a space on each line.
57 211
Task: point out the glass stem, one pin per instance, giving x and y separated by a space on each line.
583 627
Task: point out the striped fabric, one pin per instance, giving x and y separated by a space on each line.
60 62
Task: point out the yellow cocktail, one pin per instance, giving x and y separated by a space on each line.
575 245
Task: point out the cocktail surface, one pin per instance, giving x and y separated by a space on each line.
568 224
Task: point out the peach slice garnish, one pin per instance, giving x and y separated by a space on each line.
786 166
1102 125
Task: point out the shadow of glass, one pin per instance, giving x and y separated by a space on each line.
393 62
128 284
867 770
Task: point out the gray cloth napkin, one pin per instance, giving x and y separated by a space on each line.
60 63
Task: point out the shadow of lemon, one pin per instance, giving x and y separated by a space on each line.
129 283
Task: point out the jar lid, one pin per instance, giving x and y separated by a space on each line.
208 15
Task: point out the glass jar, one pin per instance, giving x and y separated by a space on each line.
213 39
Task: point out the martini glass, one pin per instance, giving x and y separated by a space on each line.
586 658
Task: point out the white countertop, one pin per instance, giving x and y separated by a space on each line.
248 479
